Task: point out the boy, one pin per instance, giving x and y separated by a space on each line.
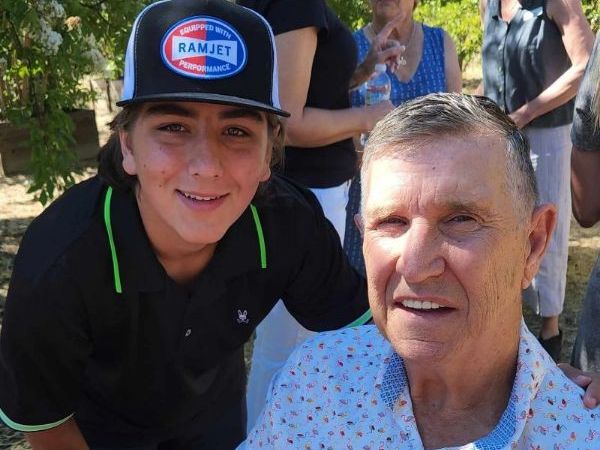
133 294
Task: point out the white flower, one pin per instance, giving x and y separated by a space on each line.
53 42
47 38
51 9
94 55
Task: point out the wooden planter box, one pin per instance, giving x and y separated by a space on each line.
15 153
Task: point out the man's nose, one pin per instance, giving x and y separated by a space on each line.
205 159
420 253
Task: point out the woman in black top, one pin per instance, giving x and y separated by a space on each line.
317 64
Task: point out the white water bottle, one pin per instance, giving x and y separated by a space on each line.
377 90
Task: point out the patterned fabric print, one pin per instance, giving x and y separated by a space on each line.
348 389
429 77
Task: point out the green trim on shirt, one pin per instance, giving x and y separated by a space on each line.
361 320
261 238
111 241
30 428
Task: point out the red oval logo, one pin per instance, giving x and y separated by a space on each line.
203 47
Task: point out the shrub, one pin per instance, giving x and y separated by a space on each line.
46 48
460 19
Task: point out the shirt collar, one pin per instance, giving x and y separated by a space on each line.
139 268
237 252
533 363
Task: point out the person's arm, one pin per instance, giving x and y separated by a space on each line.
585 186
44 347
314 127
325 291
578 40
452 67
63 437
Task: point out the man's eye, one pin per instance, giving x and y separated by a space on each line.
461 218
173 128
235 131
393 221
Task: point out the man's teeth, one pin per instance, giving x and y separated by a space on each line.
195 197
415 304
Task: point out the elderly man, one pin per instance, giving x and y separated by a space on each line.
452 235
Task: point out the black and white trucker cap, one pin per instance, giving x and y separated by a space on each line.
210 51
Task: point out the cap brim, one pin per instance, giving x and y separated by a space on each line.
205 98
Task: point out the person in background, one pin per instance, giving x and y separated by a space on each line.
533 57
428 64
133 294
317 62
453 233
585 188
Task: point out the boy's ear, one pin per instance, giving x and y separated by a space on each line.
128 160
543 222
266 172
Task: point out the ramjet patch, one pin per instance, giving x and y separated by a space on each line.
203 47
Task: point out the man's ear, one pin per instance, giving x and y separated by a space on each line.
543 222
128 160
358 221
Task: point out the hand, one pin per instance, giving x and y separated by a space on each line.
590 381
383 49
521 117
374 113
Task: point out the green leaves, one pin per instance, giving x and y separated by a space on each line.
460 19
47 47
591 9
354 13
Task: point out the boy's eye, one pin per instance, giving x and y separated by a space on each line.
235 131
173 128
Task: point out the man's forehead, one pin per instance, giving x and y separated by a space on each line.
418 147
482 148
454 173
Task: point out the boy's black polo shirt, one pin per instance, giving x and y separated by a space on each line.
158 359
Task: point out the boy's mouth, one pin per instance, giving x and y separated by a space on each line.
200 198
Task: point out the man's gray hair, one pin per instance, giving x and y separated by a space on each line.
434 116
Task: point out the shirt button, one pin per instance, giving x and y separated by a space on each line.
188 332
